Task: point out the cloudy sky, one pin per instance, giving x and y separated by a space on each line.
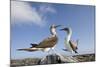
25 13
30 22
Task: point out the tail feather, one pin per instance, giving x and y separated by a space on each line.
27 49
77 41
20 49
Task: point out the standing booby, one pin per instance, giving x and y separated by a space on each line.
46 44
69 44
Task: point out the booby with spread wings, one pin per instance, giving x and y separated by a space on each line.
46 44
69 44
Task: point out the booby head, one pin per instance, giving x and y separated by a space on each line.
69 32
68 29
53 29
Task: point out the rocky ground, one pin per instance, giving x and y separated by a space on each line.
85 58
36 61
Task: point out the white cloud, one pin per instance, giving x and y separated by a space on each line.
47 8
23 13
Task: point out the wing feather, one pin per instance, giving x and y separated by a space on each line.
48 42
73 45
27 49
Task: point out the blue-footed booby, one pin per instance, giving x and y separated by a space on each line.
70 45
46 44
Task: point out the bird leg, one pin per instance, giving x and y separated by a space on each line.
49 52
54 51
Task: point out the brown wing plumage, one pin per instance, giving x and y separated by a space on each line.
47 43
73 45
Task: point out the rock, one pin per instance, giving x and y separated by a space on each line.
56 59
52 59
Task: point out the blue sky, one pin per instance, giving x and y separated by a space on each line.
30 22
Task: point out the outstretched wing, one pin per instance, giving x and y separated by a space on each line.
73 45
48 42
27 49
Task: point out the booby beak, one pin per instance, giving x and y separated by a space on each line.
58 26
64 29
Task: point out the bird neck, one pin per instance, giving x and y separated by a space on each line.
69 36
53 32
